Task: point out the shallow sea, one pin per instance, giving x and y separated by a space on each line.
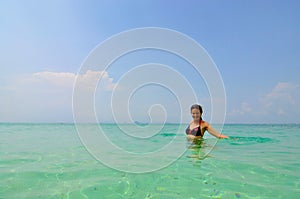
50 161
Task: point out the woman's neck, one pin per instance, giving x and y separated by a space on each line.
196 121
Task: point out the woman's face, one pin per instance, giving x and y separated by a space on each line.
196 114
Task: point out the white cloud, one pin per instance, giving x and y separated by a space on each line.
46 96
242 110
283 93
246 108
280 105
55 78
283 99
89 79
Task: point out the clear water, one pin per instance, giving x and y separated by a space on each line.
49 161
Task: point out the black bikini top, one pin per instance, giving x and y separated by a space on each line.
195 131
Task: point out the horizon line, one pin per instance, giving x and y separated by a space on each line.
73 123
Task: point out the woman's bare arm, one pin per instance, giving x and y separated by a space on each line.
214 132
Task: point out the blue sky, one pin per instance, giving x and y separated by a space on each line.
255 45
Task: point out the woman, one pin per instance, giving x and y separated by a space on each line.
197 127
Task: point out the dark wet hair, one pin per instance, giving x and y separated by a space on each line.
197 106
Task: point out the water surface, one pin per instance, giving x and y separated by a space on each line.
49 161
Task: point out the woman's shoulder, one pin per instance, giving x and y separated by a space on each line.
204 124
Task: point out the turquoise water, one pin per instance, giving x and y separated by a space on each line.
49 161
